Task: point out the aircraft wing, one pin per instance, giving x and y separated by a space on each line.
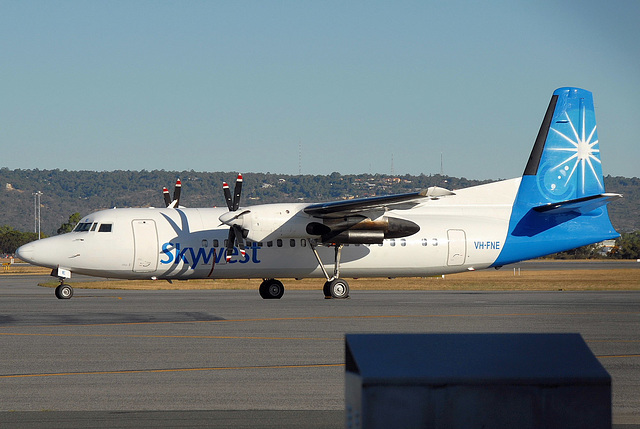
386 202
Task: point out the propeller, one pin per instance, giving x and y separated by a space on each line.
168 202
231 218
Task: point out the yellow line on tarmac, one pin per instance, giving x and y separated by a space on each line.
166 370
148 371
617 356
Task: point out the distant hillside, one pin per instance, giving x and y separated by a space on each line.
66 192
624 213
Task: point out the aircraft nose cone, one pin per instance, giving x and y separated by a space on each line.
25 252
49 252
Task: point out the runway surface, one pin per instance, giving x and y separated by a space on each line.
231 359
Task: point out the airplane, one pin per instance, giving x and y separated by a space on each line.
559 203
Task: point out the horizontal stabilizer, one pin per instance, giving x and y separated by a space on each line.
579 205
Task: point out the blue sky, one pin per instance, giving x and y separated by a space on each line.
242 85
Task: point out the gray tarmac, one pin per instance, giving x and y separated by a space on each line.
230 359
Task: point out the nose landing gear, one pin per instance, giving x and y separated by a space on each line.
63 291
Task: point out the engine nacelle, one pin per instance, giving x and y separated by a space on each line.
272 221
361 230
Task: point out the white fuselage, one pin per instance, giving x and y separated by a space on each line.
457 233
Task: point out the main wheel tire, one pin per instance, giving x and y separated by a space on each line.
339 289
326 290
271 289
64 292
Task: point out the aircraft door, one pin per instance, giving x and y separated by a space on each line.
457 247
145 242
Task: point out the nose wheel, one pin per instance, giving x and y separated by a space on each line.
64 291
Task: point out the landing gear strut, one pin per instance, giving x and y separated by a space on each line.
334 287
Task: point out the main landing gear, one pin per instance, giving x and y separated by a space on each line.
334 287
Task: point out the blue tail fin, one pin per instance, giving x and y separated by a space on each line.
561 202
566 156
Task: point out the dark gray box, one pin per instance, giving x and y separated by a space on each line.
474 381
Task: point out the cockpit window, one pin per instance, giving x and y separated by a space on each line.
105 227
82 227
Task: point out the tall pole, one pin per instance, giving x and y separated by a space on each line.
39 205
36 213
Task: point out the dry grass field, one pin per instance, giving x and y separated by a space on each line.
23 270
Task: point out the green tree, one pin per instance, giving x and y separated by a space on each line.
590 251
11 239
627 246
70 224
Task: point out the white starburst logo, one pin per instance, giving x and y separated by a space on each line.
581 152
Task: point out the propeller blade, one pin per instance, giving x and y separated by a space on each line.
230 242
239 239
235 230
176 193
167 198
227 195
236 193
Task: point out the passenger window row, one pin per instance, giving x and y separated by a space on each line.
279 243
303 243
